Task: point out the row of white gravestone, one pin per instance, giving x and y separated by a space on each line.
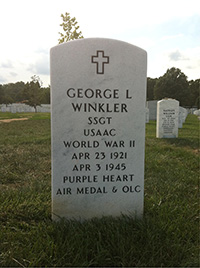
170 117
183 113
46 108
166 125
152 106
24 108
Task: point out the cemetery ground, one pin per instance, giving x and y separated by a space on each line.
166 237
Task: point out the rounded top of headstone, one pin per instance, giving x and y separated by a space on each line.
97 40
168 100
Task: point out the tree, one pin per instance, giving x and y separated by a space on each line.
33 92
12 92
150 88
45 95
173 84
194 92
7 96
1 93
70 29
18 88
197 103
7 100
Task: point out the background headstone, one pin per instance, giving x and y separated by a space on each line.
152 105
167 118
147 115
180 118
98 90
197 112
185 114
24 108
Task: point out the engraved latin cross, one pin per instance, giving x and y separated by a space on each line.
100 60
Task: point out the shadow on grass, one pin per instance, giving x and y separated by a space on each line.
184 142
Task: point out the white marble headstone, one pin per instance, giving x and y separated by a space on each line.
98 91
147 115
180 118
167 118
197 112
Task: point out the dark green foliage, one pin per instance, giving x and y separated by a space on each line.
150 88
173 84
1 93
166 237
33 92
195 93
21 92
12 92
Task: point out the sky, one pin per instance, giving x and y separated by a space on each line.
169 30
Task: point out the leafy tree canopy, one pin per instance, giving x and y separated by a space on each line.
70 29
150 87
195 92
33 92
173 84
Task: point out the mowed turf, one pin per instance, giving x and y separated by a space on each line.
168 235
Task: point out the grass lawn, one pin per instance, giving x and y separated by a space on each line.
168 235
